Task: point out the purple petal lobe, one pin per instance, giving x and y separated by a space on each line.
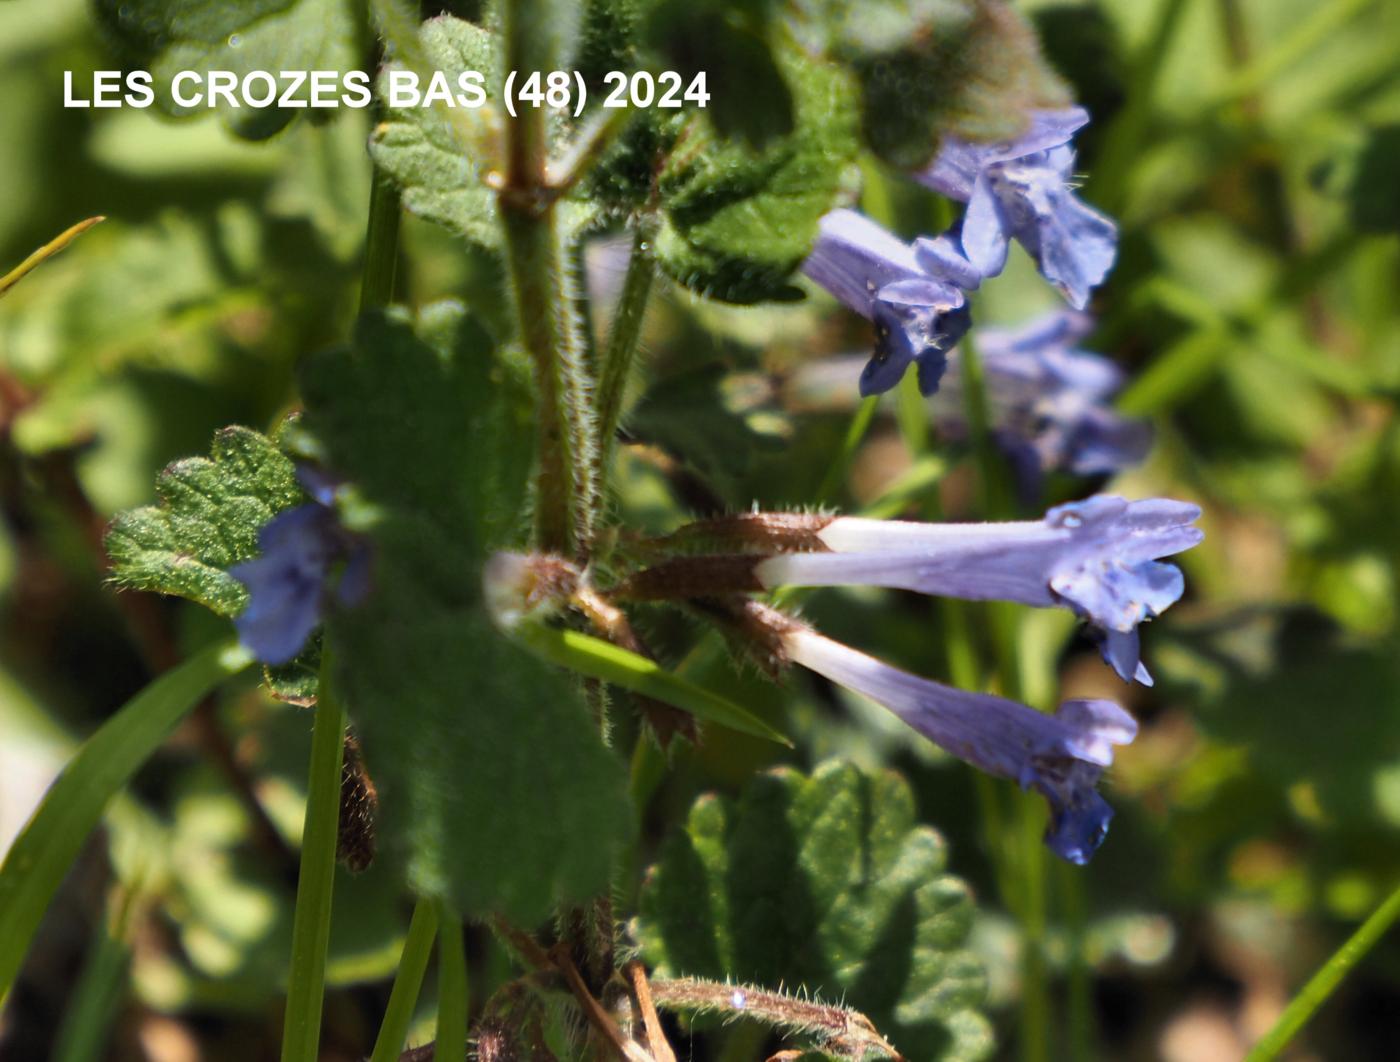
986 229
854 258
1078 823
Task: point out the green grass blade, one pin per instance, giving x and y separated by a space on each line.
41 855
602 660
452 990
1325 981
87 1025
855 433
398 1015
311 925
44 253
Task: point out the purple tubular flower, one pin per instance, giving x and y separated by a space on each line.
1020 189
307 561
1049 399
1097 557
919 314
1061 756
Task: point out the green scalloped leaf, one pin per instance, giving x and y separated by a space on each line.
829 883
208 519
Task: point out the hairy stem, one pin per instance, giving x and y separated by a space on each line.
311 926
850 1033
566 483
616 362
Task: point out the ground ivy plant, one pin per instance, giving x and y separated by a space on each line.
430 549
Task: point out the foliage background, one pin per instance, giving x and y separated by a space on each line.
1250 151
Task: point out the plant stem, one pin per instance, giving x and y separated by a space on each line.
964 669
565 484
381 243
87 1023
912 414
452 989
311 927
836 473
994 496
1325 981
622 339
1081 1001
417 947
1035 988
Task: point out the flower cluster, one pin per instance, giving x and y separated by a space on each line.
1049 399
1099 558
916 293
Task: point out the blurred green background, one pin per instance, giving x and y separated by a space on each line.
1250 150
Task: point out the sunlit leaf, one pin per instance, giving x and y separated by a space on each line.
827 884
210 514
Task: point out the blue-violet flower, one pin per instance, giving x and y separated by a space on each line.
1020 189
1061 756
308 560
1049 399
919 314
1097 557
